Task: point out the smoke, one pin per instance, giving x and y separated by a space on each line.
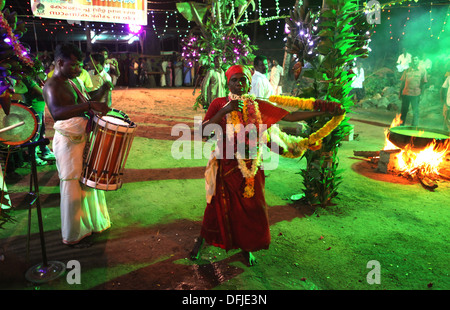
423 33
417 31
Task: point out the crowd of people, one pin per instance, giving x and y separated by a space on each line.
412 73
267 78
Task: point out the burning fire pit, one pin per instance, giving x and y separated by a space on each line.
414 153
416 137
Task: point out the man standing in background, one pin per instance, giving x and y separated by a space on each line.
446 101
261 87
275 77
412 82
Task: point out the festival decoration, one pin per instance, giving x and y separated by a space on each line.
295 146
15 60
328 40
219 37
216 21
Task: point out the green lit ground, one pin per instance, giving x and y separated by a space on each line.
157 215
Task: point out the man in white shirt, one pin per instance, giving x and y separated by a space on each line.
275 77
446 101
261 87
403 61
99 77
357 83
111 66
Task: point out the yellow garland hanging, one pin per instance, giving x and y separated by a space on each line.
233 119
293 146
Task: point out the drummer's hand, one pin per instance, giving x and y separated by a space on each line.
108 85
101 107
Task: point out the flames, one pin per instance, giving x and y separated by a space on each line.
412 162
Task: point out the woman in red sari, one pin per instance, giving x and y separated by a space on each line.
234 219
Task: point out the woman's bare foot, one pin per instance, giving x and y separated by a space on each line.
250 258
195 253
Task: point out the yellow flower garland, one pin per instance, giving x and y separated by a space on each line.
296 146
233 119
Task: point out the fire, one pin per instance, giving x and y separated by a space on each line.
424 162
388 144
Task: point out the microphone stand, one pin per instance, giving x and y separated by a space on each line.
47 270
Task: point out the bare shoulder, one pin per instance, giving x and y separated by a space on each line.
57 92
52 84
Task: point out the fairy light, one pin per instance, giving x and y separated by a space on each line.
445 23
431 21
259 8
219 13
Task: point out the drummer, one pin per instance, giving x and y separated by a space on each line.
83 209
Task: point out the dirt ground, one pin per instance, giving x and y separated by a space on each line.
156 216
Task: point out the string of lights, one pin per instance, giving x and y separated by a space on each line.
267 16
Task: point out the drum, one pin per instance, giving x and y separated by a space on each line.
20 126
106 152
117 113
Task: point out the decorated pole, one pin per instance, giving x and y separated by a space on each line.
329 41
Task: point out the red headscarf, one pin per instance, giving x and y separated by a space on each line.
238 69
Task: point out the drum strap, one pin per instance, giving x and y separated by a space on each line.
84 96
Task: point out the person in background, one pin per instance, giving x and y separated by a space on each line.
261 87
425 63
411 87
403 61
133 70
111 66
276 74
214 84
99 77
164 67
178 70
358 82
445 99
33 97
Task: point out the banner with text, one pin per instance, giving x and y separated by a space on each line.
132 12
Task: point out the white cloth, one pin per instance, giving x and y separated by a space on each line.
425 64
164 65
447 85
83 209
403 62
275 75
178 73
261 87
358 79
210 177
97 81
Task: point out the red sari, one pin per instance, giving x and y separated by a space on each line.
231 221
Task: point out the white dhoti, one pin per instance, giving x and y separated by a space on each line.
83 209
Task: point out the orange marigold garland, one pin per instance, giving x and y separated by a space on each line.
296 146
250 115
293 146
